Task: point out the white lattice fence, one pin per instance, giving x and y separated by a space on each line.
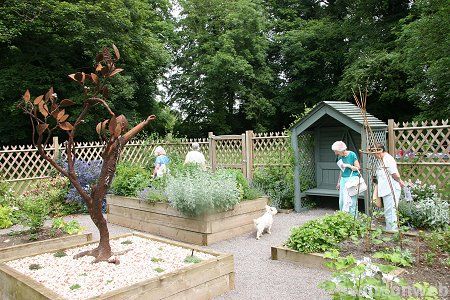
20 165
422 151
271 149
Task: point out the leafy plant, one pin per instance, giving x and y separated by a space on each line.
129 180
247 192
35 212
199 192
324 234
397 256
59 254
71 227
75 286
5 217
127 242
278 183
438 240
192 259
427 210
34 267
159 270
156 260
88 173
360 279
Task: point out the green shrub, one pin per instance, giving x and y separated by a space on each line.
54 191
200 192
324 234
129 180
71 227
278 183
5 217
397 256
427 210
247 192
439 240
35 212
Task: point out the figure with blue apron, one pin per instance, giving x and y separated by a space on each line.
349 166
389 188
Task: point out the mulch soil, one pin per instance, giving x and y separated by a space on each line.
25 237
432 270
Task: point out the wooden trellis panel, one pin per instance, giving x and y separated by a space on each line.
307 161
272 148
422 150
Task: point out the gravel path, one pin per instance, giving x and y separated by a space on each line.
257 276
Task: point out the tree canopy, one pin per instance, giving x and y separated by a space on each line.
229 66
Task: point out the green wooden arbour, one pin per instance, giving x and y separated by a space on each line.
316 172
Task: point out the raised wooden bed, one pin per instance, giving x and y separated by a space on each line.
203 280
163 220
309 260
49 245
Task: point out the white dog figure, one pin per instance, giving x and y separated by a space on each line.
265 221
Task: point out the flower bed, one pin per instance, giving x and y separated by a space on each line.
163 220
151 268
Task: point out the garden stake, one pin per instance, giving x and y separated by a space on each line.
372 149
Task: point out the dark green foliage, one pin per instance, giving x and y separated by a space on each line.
439 240
43 41
397 256
129 180
278 183
324 234
35 212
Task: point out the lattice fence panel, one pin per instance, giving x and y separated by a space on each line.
271 149
20 164
229 153
422 151
307 161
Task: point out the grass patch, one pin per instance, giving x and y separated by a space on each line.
127 242
192 259
35 267
75 286
159 270
60 254
155 259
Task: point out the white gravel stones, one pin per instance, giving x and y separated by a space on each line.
81 279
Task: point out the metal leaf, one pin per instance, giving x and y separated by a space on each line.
72 76
106 54
43 109
94 78
66 126
79 76
112 125
60 115
118 70
38 99
64 118
27 96
116 52
99 57
98 128
49 94
41 128
104 123
66 102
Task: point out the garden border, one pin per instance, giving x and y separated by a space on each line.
203 280
30 249
163 220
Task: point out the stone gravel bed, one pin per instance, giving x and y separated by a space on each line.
81 279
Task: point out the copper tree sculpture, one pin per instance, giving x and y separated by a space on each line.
48 114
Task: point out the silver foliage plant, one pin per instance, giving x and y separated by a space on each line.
428 209
197 193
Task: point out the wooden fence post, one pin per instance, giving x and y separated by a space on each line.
212 151
391 137
56 147
249 153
